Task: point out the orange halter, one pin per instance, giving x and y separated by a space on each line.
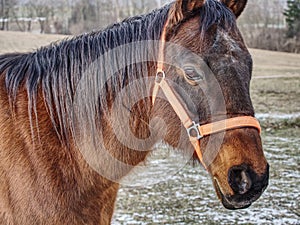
195 130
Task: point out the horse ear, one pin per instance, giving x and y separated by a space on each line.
236 6
183 9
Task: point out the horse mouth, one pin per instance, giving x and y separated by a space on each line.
237 201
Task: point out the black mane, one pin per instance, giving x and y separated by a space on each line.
215 12
57 68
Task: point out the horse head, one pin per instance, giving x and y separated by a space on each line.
209 75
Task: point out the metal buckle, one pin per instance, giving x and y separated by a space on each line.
194 132
160 76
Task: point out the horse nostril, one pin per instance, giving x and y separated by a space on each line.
244 183
239 180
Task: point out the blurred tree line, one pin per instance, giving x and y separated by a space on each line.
266 24
69 16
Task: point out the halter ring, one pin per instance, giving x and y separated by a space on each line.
193 131
160 76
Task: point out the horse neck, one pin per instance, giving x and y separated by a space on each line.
131 107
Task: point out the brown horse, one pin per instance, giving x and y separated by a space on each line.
77 116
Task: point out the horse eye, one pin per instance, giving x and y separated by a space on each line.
193 75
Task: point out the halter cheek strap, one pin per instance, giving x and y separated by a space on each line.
195 131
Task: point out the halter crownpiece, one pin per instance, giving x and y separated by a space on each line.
195 131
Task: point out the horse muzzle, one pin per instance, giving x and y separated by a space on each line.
246 185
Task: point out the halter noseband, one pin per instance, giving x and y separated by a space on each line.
195 131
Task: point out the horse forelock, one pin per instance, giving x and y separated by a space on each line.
215 12
212 12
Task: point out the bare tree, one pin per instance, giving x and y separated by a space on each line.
262 24
7 7
2 14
